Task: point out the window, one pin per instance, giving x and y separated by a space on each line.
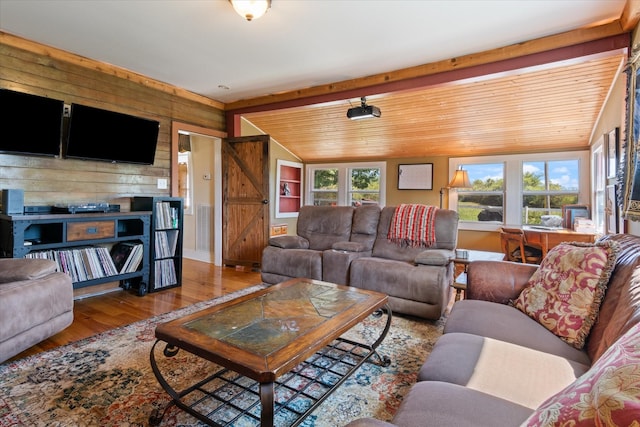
598 185
519 189
364 186
351 184
547 186
185 189
485 200
324 191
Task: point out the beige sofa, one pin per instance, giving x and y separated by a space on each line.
496 366
349 246
36 302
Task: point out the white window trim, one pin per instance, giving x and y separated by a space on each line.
513 183
343 179
598 186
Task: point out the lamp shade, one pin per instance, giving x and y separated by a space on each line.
251 9
460 180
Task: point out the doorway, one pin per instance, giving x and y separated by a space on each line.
205 213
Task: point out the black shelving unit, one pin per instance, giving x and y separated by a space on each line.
166 239
63 236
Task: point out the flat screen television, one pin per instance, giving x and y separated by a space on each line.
97 134
31 124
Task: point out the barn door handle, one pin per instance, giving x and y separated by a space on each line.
265 202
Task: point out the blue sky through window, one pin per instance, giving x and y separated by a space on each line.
561 172
485 172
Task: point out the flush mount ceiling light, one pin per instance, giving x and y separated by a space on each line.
364 111
251 9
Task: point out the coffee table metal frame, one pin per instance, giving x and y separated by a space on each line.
227 397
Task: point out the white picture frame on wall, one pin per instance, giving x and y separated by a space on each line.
417 176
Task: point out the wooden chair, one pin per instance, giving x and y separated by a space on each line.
515 247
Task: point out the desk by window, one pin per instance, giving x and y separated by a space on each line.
547 238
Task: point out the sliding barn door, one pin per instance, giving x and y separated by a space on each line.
245 200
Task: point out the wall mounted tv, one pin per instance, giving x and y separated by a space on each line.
97 134
31 124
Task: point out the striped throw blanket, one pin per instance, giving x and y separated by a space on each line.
413 225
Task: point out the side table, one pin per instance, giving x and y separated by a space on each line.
460 282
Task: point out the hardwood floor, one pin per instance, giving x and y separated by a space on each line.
200 281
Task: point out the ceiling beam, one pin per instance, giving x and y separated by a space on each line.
377 83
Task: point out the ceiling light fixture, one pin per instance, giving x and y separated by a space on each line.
364 111
251 9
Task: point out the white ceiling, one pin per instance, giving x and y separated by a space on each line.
199 45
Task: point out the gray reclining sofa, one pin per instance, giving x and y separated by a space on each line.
349 246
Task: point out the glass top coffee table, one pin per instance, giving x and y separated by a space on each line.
278 352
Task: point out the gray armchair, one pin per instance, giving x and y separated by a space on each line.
36 302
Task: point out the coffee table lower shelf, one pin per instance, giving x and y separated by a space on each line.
227 398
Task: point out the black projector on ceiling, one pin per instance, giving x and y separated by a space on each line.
364 111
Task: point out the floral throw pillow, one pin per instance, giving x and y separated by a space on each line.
606 395
565 293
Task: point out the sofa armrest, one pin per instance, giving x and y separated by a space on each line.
289 242
17 269
497 281
435 257
350 247
336 264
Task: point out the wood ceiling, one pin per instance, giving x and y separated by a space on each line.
538 111
542 95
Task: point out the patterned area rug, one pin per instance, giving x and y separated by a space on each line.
106 380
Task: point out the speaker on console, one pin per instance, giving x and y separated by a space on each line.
12 202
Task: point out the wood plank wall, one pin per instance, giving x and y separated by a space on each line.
49 181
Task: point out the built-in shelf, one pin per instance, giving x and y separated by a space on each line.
289 198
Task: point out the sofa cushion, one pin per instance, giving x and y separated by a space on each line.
422 290
323 226
433 403
399 279
506 323
608 394
365 226
16 269
565 293
508 371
